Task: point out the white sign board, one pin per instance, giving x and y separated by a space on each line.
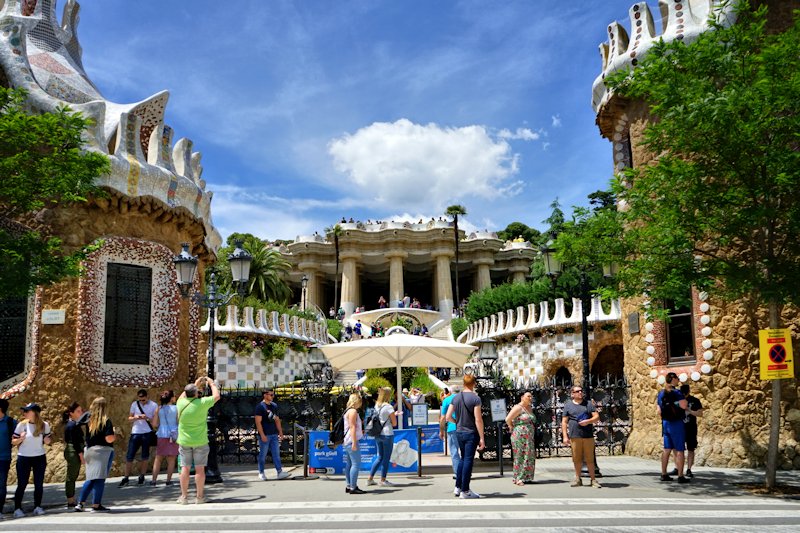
53 316
419 414
498 410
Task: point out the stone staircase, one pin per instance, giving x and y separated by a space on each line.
346 377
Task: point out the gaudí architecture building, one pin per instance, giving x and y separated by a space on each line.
711 345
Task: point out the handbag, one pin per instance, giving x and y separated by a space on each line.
152 438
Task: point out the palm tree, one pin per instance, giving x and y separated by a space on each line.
268 269
454 211
335 231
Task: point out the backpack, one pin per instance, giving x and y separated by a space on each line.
337 433
374 426
670 410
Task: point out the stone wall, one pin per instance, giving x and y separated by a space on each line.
58 381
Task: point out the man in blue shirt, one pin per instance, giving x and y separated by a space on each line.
671 406
270 433
449 429
7 427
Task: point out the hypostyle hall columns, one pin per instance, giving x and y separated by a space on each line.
483 280
444 285
350 281
313 289
396 289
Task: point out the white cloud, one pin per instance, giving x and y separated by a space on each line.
556 121
422 168
522 134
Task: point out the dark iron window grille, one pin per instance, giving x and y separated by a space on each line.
13 330
128 306
680 333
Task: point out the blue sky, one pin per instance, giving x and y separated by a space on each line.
308 111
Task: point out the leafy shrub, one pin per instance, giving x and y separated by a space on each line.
373 383
458 326
335 328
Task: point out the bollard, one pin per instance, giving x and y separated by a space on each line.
419 452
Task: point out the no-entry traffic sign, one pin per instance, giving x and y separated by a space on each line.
775 347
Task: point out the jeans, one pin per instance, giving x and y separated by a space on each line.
467 445
24 467
138 440
96 485
455 455
352 460
272 446
5 466
73 469
384 444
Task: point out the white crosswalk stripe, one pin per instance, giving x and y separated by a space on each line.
484 516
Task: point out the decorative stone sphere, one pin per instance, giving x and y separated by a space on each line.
649 337
703 296
650 350
661 380
649 327
706 368
683 377
654 373
706 331
704 307
695 376
708 355
707 344
651 360
705 319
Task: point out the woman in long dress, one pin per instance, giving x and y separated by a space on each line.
522 423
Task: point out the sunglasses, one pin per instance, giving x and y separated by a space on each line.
579 390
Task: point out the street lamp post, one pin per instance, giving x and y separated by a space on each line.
487 355
304 285
186 266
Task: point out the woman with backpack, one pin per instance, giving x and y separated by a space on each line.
380 427
352 434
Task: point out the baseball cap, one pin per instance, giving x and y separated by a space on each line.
32 407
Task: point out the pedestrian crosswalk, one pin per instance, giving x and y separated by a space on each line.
484 515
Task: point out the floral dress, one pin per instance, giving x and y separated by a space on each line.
524 447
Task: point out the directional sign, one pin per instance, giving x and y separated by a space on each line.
775 346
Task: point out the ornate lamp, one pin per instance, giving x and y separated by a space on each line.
186 266
240 261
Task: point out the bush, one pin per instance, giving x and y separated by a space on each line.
423 383
335 328
373 383
458 326
501 298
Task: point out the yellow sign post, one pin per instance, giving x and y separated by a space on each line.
775 346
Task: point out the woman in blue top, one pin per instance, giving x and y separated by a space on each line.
167 433
385 441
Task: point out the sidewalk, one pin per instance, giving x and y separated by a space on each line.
623 477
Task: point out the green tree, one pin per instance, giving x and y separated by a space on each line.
268 270
334 232
42 164
720 208
454 211
518 229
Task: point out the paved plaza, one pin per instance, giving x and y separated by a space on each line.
632 499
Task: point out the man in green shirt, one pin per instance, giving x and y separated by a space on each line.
193 435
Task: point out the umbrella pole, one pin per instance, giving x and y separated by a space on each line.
400 405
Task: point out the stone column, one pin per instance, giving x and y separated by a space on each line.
395 276
519 270
444 285
483 278
313 292
350 282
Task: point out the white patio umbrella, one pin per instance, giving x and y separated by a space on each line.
398 350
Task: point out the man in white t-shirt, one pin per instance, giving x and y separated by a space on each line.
144 415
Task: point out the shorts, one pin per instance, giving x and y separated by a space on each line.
193 455
691 437
582 450
166 447
674 435
138 440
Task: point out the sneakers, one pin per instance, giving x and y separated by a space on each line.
100 509
79 508
357 491
469 495
577 482
182 500
124 482
665 477
284 475
387 483
595 484
689 474
38 511
19 513
456 492
141 480
262 476
683 479
200 500
674 472
371 482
